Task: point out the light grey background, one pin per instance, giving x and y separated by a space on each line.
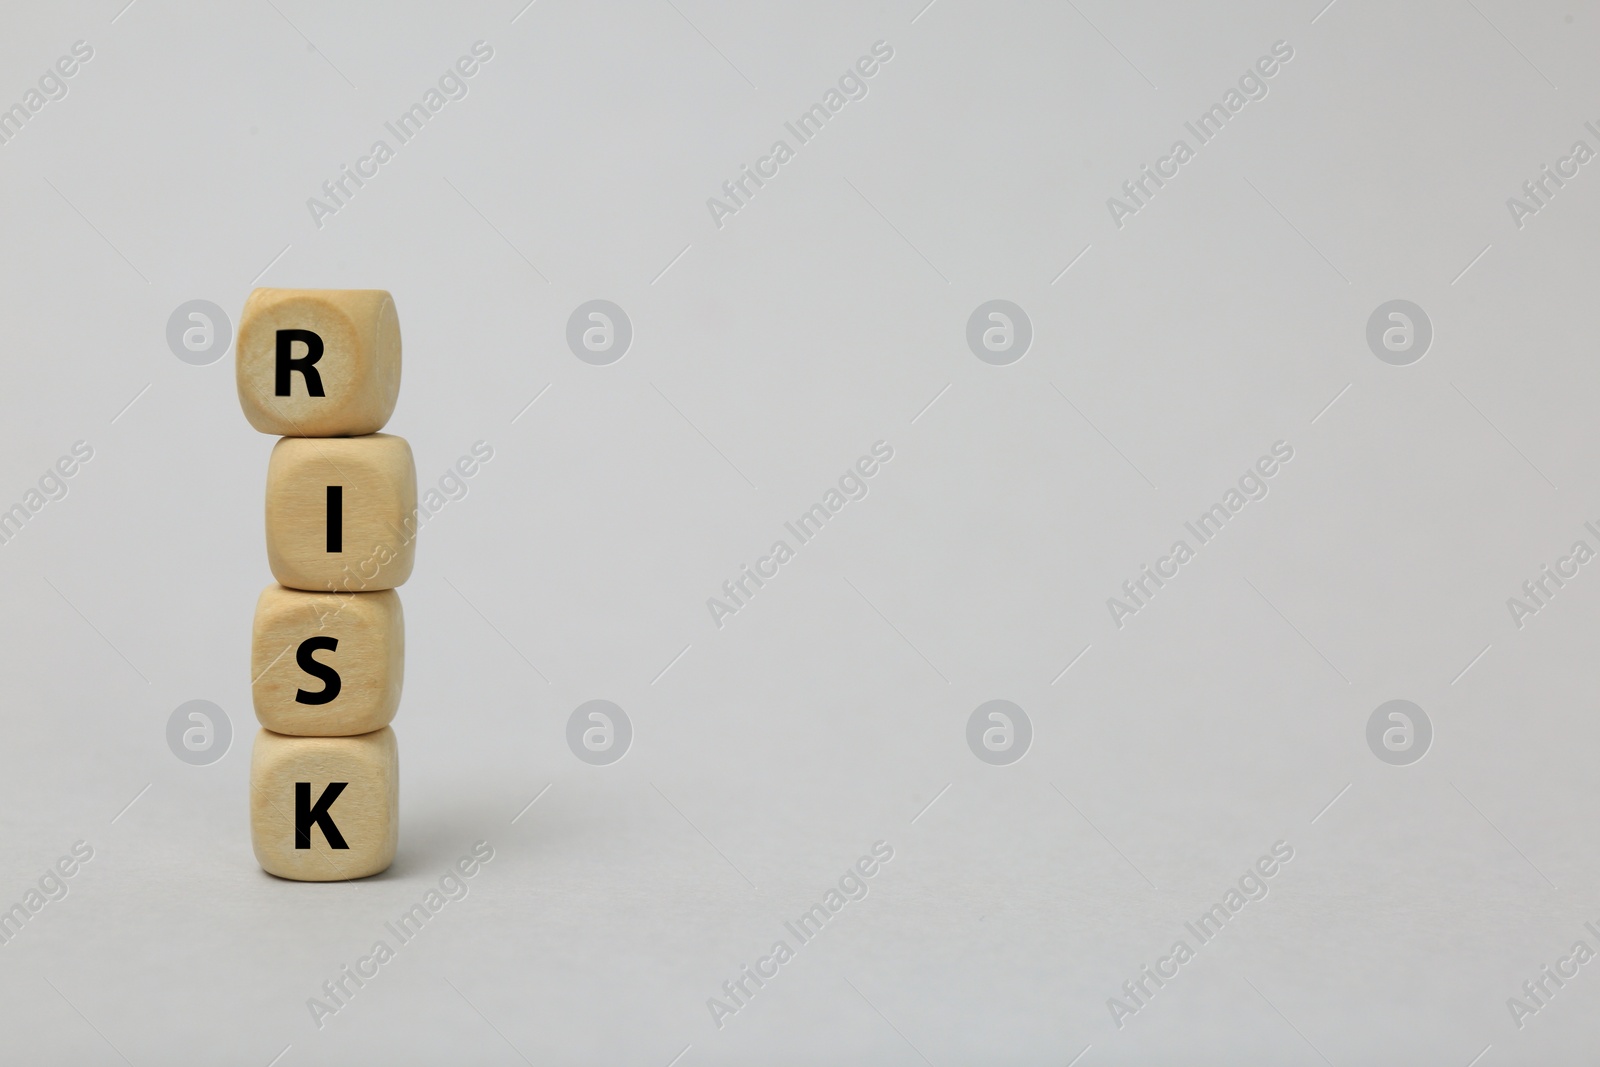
832 711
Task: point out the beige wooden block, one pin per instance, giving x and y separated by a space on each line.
318 362
324 664
305 824
341 513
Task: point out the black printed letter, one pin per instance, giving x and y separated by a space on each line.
287 364
329 676
335 518
306 816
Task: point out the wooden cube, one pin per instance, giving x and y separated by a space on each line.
323 809
324 664
341 513
318 362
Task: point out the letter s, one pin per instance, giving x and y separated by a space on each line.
330 677
83 50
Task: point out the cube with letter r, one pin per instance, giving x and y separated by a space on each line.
318 362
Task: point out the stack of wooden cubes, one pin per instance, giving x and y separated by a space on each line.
320 368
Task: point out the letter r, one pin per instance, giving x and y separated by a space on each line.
306 364
307 815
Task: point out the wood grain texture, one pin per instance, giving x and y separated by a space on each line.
368 657
366 813
378 483
359 368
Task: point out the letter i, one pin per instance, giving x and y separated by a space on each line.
335 518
